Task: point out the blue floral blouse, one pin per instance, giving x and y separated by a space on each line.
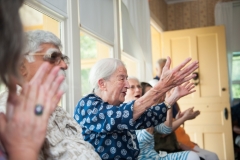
111 129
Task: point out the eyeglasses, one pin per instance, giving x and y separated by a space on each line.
53 58
134 87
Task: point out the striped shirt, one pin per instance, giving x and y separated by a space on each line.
147 152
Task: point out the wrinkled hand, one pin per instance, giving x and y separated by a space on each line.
21 131
173 77
179 115
189 114
178 92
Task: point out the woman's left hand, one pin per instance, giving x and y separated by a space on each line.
178 92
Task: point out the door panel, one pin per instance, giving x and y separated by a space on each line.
210 130
207 45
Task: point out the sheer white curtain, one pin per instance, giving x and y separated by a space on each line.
96 18
227 14
58 6
136 33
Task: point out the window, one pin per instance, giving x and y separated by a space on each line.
131 65
236 75
92 50
33 20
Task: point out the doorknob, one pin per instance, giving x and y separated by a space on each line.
196 78
223 89
225 112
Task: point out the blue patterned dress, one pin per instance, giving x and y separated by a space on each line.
147 152
111 129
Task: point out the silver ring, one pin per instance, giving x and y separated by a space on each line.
38 110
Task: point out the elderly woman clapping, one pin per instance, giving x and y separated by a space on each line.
108 123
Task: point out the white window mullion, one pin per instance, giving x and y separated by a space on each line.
71 42
117 29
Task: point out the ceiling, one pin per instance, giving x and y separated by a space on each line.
177 1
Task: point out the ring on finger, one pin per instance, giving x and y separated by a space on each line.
38 110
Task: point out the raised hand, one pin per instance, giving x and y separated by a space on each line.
189 114
173 77
179 91
23 128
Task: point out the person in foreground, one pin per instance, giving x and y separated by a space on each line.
23 127
108 123
64 136
146 136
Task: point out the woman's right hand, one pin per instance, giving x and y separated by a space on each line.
22 131
173 77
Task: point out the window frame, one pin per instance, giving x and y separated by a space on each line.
68 28
235 82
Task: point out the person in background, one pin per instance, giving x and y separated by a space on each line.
235 111
146 136
64 136
23 127
108 123
187 145
158 67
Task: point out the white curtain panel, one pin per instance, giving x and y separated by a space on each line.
130 41
59 6
224 16
96 17
228 15
236 27
136 12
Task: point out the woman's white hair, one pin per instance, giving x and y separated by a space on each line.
35 38
103 69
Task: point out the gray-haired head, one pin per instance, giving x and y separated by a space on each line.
103 69
34 40
159 66
133 78
161 61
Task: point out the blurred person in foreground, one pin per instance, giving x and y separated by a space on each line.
23 127
64 136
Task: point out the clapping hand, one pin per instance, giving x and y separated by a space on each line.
23 128
188 114
178 92
173 77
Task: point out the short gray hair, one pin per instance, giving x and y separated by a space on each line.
161 61
34 39
103 69
133 78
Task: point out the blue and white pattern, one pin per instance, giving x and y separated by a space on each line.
111 129
163 129
147 152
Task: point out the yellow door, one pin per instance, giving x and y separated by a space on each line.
212 129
